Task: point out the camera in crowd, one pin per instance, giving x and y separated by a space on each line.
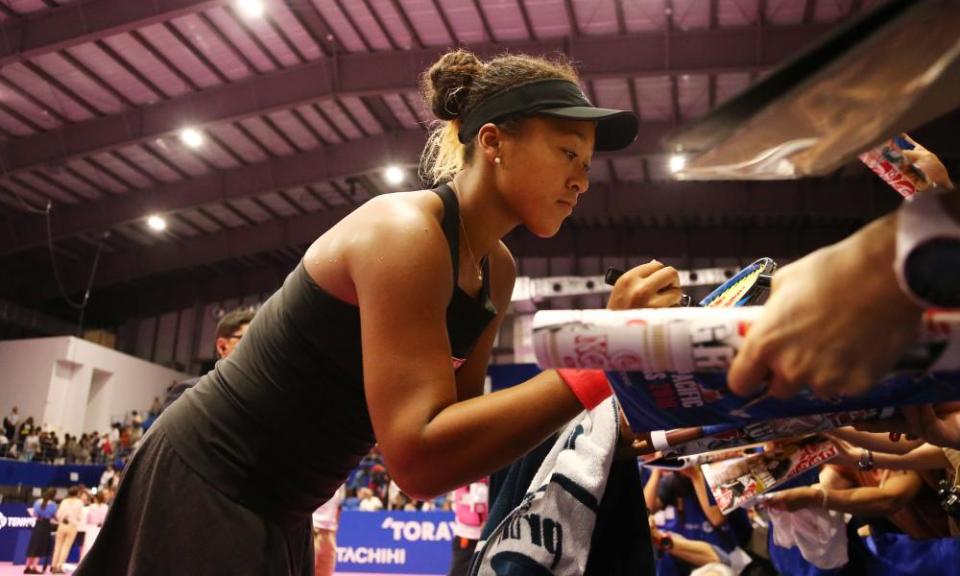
950 498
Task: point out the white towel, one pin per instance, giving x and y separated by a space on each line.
550 531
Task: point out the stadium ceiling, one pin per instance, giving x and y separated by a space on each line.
302 108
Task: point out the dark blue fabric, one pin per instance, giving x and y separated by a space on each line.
901 555
35 474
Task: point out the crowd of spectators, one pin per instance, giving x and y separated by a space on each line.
26 440
369 487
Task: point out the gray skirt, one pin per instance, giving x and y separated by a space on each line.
168 520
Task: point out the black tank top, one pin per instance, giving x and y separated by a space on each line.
279 424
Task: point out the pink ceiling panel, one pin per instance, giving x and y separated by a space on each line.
419 107
828 11
280 205
368 26
400 110
174 151
595 17
249 208
140 233
310 114
25 195
326 191
25 6
179 228
200 220
394 24
27 181
785 11
223 214
337 116
427 22
104 181
305 200
176 52
737 12
362 114
229 24
237 142
148 65
79 83
73 183
612 93
645 15
548 17
15 100
140 158
267 136
653 94
218 156
287 22
294 129
629 169
464 20
113 74
115 166
39 88
505 19
691 14
729 85
692 92
207 42
13 126
342 28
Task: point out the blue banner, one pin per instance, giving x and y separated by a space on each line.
15 524
14 473
395 542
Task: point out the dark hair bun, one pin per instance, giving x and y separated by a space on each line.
447 83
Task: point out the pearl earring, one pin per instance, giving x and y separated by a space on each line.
496 160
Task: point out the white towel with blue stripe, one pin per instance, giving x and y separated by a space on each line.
549 533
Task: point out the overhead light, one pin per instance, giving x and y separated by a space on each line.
250 8
393 175
677 163
191 137
157 223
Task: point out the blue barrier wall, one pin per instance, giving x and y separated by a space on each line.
14 473
394 542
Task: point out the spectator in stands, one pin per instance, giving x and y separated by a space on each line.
25 429
10 423
368 501
471 508
108 480
31 444
326 520
93 517
901 496
230 331
44 510
155 408
69 515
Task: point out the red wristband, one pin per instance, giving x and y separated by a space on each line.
589 386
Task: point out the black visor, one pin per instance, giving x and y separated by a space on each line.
616 129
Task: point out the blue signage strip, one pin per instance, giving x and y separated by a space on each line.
14 521
395 542
14 473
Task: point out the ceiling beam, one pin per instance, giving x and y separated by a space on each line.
831 203
273 174
81 22
366 74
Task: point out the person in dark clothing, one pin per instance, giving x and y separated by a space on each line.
41 544
382 333
230 330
